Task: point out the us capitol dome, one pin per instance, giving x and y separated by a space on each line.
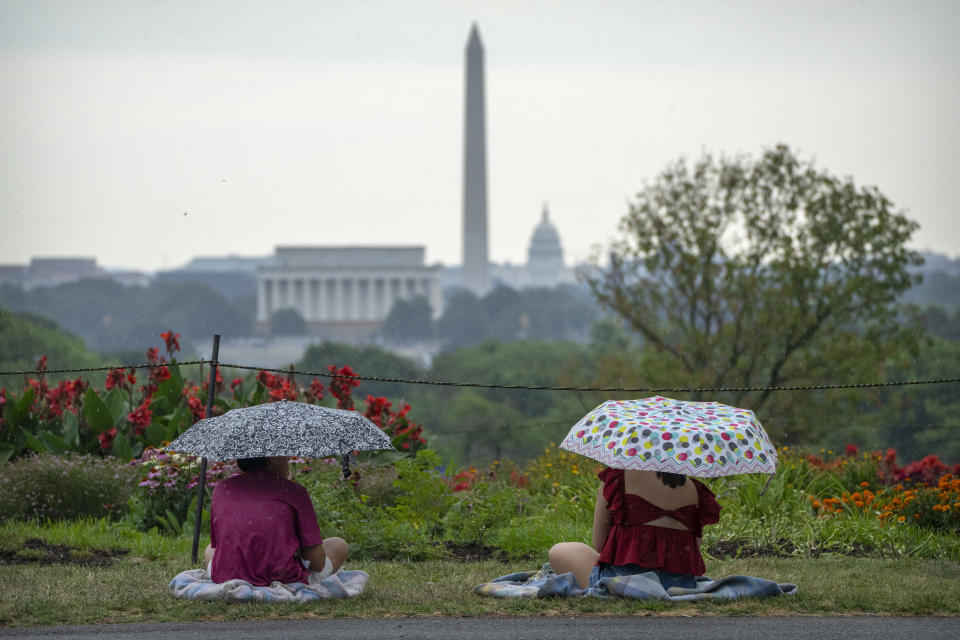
545 256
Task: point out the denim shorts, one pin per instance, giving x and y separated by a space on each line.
667 578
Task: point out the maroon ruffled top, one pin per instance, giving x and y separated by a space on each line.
632 541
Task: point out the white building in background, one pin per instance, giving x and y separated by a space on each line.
341 291
545 266
52 272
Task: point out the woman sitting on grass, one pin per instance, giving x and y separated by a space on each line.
643 521
263 529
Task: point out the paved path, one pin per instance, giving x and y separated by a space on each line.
554 628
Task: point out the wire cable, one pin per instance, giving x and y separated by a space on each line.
482 385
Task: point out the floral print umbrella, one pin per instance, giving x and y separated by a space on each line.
701 439
282 428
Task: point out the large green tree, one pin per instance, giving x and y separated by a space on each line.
25 337
111 317
409 320
762 272
365 361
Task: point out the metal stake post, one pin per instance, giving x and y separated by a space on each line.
202 483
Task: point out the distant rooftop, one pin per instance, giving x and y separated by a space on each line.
351 257
245 264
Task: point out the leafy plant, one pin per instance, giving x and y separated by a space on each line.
64 487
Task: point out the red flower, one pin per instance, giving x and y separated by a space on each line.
153 355
171 339
267 379
116 378
106 438
315 392
284 391
342 384
851 450
140 417
377 409
42 364
517 480
235 383
195 405
159 374
219 382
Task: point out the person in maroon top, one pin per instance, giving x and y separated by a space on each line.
263 529
643 521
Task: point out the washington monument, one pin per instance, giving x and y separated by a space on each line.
474 273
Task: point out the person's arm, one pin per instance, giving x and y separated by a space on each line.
316 555
601 522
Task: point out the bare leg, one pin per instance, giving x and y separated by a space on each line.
576 557
337 551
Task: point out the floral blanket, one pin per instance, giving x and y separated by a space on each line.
642 586
195 584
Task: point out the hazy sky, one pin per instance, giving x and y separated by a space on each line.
147 132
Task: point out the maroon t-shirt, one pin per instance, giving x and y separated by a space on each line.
258 521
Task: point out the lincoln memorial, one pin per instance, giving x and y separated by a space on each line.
337 289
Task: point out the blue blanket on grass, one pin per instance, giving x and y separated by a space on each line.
195 584
642 586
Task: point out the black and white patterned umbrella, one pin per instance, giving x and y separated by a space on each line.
281 428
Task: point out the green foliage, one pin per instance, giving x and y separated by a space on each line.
940 323
64 487
287 322
111 317
766 272
484 424
423 496
938 288
464 320
371 525
409 320
476 514
370 360
25 337
922 418
565 312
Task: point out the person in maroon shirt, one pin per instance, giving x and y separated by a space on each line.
643 521
263 529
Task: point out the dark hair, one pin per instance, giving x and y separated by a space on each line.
252 464
672 480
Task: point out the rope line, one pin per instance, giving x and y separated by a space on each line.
148 365
483 385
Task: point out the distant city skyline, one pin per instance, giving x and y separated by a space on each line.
146 133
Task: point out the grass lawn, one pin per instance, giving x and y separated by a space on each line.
133 588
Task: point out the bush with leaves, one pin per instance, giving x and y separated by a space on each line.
65 487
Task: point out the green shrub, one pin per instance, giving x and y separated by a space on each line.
477 513
424 495
370 524
65 487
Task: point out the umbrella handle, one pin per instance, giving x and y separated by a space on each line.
764 490
345 461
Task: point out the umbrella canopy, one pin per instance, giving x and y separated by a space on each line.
281 428
701 439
